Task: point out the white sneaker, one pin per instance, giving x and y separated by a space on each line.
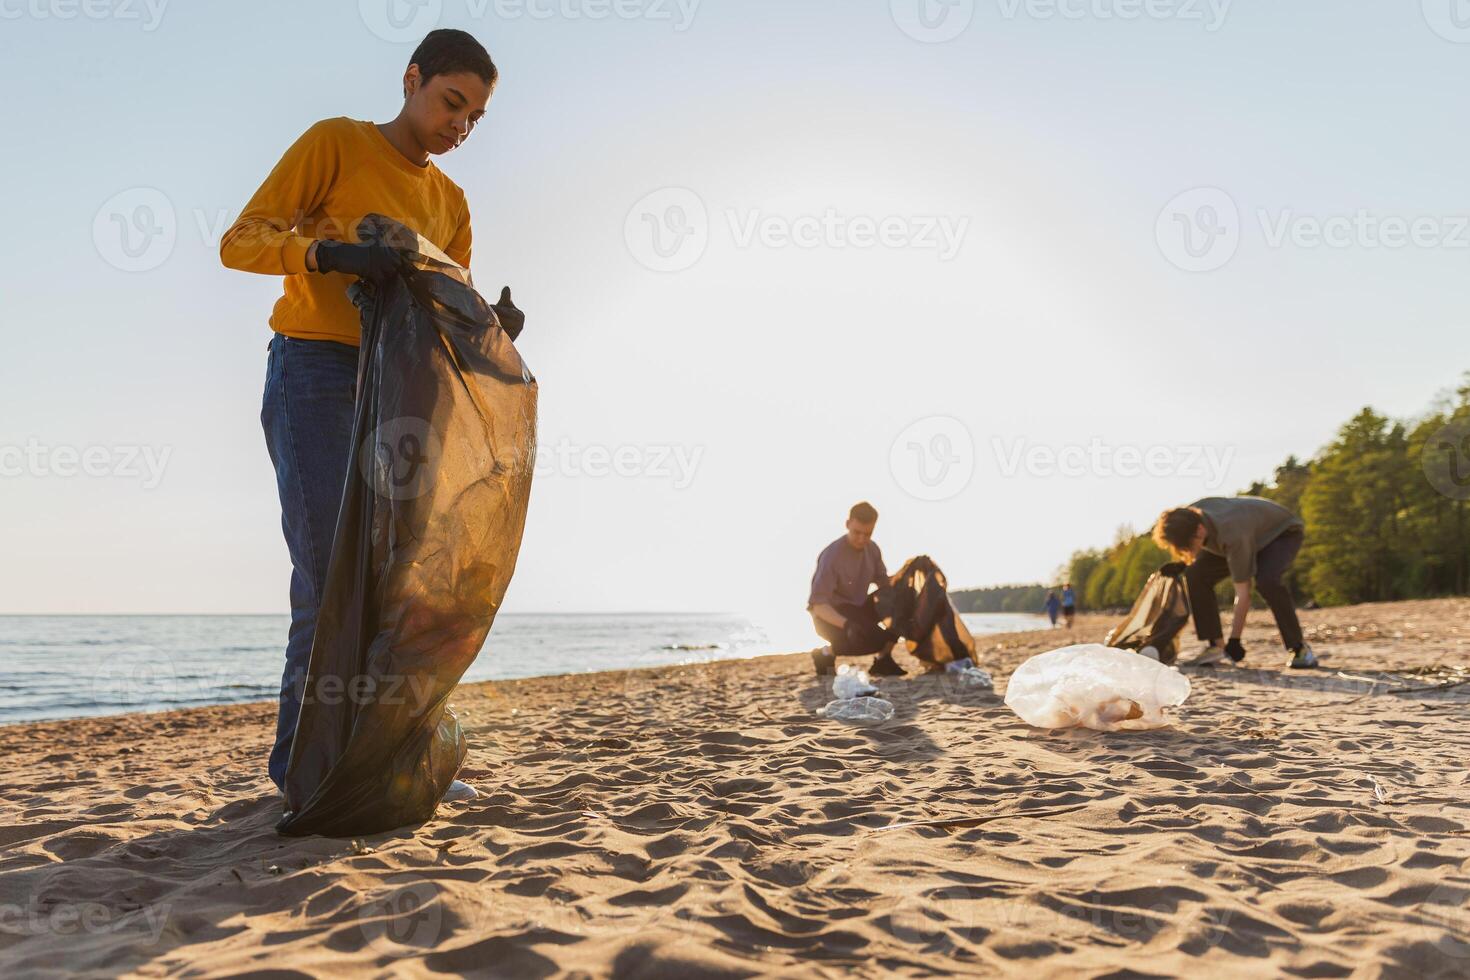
459 792
1207 656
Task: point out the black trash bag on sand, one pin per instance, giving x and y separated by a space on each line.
430 526
1156 619
917 604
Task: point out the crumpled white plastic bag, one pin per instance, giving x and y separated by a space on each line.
1097 687
864 709
852 682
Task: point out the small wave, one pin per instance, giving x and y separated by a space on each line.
693 647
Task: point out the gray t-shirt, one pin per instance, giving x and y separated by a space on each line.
844 574
1239 527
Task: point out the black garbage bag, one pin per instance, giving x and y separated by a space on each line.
917 605
426 541
1156 619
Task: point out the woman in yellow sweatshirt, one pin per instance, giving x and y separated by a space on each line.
301 225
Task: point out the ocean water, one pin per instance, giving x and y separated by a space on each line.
70 666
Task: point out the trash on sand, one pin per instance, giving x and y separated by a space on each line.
1093 686
964 673
852 682
1156 619
863 709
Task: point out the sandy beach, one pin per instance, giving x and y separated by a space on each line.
702 821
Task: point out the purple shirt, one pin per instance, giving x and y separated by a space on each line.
844 574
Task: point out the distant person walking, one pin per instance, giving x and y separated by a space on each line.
1248 539
842 610
1069 604
1052 607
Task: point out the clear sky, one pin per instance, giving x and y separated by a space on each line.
783 255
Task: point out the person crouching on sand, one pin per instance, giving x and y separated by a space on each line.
842 610
1247 538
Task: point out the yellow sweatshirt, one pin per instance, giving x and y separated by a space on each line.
338 171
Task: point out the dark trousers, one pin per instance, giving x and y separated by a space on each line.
307 414
867 636
1272 562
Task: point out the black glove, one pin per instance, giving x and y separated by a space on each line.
1172 569
1235 650
511 319
375 263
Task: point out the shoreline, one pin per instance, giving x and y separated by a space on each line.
700 820
674 650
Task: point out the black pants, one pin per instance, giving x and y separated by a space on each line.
868 636
1272 562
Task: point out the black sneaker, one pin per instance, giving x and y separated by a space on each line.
885 666
825 661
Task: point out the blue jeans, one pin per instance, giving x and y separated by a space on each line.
307 414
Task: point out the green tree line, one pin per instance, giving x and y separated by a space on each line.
1385 507
1001 598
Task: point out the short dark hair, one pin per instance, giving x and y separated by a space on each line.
449 52
1176 529
863 513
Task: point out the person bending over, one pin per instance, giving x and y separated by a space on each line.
1246 538
842 610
